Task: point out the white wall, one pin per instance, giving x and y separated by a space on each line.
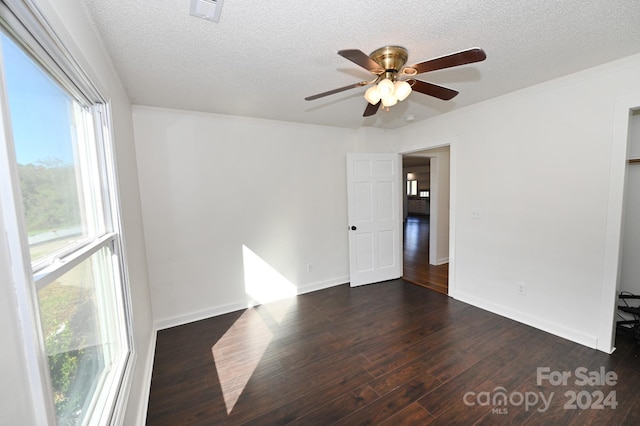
536 164
371 139
630 267
70 23
211 184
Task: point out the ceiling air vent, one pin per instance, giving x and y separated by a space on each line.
206 9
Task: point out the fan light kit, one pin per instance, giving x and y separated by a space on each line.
388 92
391 84
389 89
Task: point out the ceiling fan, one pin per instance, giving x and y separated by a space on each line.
393 82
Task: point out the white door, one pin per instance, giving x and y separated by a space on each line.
373 183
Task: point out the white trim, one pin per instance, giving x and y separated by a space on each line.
453 157
190 317
321 285
434 207
62 265
21 274
536 322
32 26
214 311
123 391
143 407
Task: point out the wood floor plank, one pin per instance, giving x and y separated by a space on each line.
452 392
509 378
448 337
405 374
338 408
413 415
341 397
392 403
413 332
633 415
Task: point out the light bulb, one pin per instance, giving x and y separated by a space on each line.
402 90
388 101
385 88
372 95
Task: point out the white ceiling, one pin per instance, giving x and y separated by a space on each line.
264 57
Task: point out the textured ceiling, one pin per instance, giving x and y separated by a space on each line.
264 57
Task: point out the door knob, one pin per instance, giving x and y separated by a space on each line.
353 228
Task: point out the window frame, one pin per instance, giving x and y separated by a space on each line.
27 27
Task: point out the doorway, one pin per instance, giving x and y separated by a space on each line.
628 286
426 219
625 108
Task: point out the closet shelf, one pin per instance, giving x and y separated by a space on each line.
634 160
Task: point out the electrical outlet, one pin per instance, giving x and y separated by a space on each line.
309 267
475 213
521 288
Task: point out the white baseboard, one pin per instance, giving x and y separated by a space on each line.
308 288
442 261
214 311
146 381
232 307
536 322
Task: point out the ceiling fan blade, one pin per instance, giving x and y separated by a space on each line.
338 90
434 90
453 60
358 57
371 109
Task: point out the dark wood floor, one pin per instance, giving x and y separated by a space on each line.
416 268
390 353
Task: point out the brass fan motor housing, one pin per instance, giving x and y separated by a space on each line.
391 58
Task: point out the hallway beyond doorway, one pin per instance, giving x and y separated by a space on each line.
416 267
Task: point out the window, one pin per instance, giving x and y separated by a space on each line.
412 187
56 158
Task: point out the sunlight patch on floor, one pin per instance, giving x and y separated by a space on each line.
238 353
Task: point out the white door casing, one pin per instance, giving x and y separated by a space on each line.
373 183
